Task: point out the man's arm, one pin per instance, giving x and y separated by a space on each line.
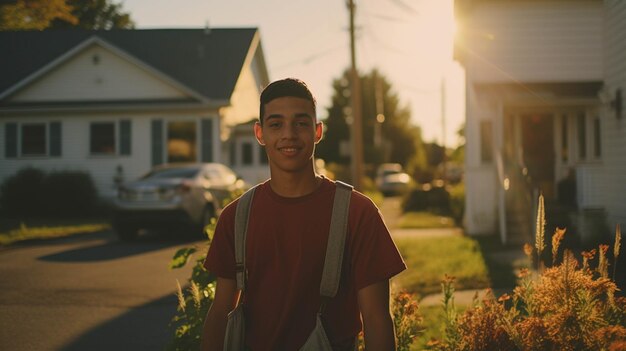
215 323
377 322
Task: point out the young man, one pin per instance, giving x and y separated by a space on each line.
286 245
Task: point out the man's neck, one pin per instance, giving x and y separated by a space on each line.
293 184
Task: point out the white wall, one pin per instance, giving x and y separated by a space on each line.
75 146
244 102
614 130
112 78
534 41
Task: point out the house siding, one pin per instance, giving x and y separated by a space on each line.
534 41
75 146
613 129
112 78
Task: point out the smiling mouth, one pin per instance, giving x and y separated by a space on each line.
289 150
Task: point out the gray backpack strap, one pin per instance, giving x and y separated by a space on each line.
241 228
336 241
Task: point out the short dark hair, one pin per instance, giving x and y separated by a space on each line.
292 87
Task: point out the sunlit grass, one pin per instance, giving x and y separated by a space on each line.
419 220
429 259
25 232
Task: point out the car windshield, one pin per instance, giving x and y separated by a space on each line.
173 173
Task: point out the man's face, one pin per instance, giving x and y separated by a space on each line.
289 133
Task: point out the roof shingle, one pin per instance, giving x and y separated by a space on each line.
208 63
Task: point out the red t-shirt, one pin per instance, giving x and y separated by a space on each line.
285 250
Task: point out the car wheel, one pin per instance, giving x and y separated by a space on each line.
125 233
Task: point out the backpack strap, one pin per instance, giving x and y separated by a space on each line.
242 214
336 241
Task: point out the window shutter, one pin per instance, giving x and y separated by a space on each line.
125 132
157 142
207 140
55 139
10 140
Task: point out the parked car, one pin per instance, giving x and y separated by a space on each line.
179 197
392 180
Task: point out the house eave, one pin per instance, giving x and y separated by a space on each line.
96 40
111 106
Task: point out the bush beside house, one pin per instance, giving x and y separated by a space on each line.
34 193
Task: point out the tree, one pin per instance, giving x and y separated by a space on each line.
96 14
401 140
34 14
44 14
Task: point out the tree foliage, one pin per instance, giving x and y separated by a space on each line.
401 141
96 14
35 14
44 14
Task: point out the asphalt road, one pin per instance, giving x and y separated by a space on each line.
89 292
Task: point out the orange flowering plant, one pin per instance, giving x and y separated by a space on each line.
567 306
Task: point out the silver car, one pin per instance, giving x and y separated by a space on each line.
178 197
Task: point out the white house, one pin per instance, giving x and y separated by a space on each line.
544 82
115 103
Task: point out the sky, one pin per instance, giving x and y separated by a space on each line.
409 41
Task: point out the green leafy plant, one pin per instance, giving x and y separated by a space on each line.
195 299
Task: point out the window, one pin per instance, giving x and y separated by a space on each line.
181 142
34 139
246 154
486 141
581 127
102 138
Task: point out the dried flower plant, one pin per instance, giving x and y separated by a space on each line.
566 307
603 263
616 248
588 256
406 319
556 242
540 229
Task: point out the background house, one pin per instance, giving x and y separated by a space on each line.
115 103
544 111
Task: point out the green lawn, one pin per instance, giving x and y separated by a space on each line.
425 220
429 259
14 231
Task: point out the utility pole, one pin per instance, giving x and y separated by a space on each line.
355 96
443 130
380 111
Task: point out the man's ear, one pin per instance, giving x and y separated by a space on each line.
319 131
258 133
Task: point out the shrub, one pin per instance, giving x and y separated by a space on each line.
69 193
428 198
32 192
20 194
567 306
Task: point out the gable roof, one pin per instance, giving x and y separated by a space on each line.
207 63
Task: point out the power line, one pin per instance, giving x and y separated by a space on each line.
308 59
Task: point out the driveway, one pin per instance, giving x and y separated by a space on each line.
89 292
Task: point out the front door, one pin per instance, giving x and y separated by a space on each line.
538 151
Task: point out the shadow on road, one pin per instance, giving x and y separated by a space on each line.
142 328
112 249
